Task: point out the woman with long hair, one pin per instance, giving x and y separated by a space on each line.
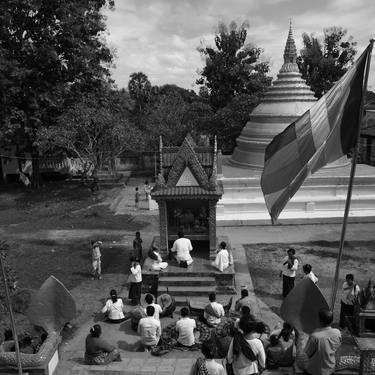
114 308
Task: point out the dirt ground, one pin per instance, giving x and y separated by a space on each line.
264 261
49 233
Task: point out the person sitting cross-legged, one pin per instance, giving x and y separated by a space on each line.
245 300
149 329
114 308
149 298
185 328
213 312
245 314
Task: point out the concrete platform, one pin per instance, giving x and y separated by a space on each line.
321 199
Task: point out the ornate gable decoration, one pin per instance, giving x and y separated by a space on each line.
186 164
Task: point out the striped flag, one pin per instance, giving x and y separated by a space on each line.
324 133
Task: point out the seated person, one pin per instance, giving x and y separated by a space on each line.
245 314
154 261
185 327
135 316
214 311
149 298
98 351
149 328
274 353
309 274
222 260
245 300
114 308
182 247
167 304
208 365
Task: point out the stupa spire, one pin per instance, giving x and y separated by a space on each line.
290 50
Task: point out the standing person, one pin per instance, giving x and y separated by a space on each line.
246 353
147 189
137 246
114 308
322 345
350 292
135 279
149 329
96 260
290 266
222 260
182 247
136 197
185 328
99 351
309 274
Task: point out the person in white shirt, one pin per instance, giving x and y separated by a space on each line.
135 280
290 266
223 258
114 308
149 298
208 365
149 328
309 274
182 247
154 261
246 353
185 328
214 311
350 292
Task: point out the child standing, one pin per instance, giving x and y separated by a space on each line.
136 198
137 246
96 260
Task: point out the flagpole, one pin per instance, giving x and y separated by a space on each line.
350 185
13 323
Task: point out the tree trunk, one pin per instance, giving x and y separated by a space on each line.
35 180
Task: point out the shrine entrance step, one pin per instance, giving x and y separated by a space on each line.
187 291
171 281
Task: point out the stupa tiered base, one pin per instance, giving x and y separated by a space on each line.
321 199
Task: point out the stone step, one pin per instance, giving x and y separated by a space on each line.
186 281
186 291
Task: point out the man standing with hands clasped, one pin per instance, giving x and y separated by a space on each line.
290 266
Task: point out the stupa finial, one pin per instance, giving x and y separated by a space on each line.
290 51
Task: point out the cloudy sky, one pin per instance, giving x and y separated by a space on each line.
160 37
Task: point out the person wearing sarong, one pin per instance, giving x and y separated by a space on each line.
154 261
207 365
290 266
99 351
135 279
182 247
114 308
246 354
214 311
223 259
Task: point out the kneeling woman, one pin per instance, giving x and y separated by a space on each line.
98 351
114 308
154 261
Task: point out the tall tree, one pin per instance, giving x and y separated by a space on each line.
323 63
51 51
139 89
232 67
95 129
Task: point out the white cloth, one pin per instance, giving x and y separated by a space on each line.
221 261
242 365
155 265
183 247
312 277
158 310
149 328
290 272
349 293
219 310
185 328
214 368
136 274
114 309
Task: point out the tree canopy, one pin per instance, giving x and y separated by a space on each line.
51 51
232 67
139 89
322 63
